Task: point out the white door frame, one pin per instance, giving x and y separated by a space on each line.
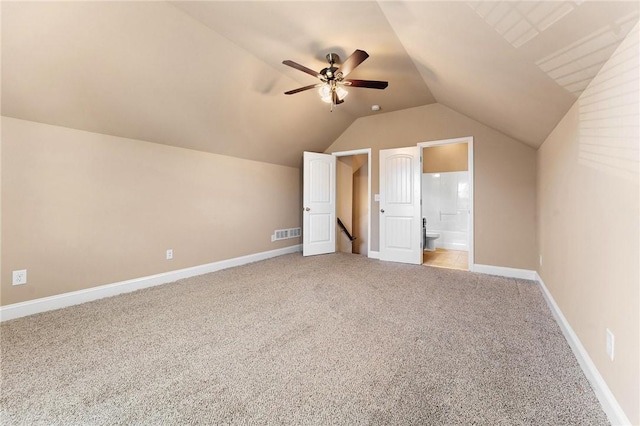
358 152
469 141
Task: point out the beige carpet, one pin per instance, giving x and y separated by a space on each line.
333 339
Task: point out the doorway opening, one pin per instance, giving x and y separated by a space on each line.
447 203
353 201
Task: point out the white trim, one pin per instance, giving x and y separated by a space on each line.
359 152
469 141
607 400
374 255
352 152
464 139
59 301
503 271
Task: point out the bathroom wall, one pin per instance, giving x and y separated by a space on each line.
453 157
445 205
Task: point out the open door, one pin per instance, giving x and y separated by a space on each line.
400 223
319 204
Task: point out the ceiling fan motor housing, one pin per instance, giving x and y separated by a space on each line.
333 58
329 73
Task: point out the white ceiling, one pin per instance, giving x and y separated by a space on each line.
208 75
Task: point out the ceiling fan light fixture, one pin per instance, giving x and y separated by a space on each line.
326 93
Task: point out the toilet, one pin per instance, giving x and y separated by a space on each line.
428 238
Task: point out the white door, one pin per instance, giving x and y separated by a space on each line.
319 204
400 224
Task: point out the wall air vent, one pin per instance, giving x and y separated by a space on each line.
283 234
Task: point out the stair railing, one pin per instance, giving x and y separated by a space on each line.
346 231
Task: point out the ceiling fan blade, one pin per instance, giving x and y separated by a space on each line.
369 84
302 89
301 68
353 61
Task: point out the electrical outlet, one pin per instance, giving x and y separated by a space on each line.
610 344
169 254
20 277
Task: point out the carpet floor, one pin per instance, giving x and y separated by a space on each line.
332 339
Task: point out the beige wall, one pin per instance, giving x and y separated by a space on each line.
505 176
83 209
588 232
452 157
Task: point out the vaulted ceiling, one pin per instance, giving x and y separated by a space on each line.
208 75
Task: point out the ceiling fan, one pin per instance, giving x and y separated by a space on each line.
333 78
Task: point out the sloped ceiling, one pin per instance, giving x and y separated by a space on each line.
208 75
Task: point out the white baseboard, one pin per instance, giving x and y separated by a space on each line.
59 301
374 254
503 271
608 402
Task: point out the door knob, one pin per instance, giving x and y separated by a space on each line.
381 210
307 209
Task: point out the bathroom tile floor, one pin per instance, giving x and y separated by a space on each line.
441 258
